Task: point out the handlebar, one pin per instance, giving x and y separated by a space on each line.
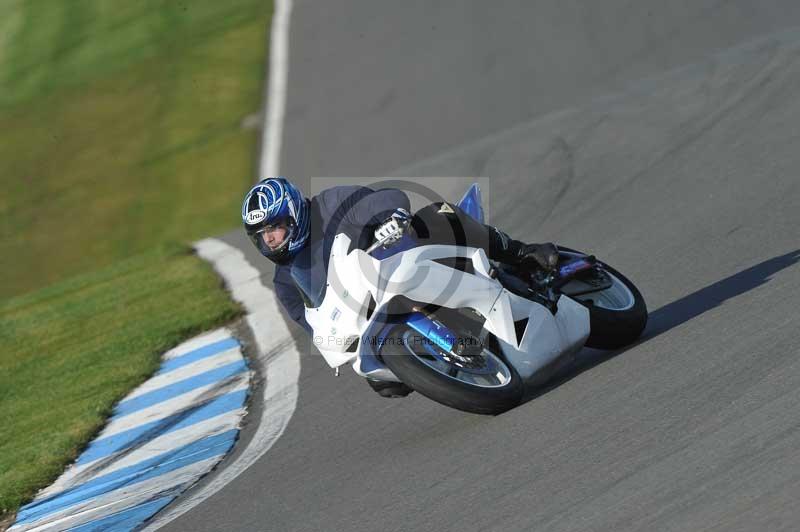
390 238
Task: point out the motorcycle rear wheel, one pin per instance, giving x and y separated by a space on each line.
617 315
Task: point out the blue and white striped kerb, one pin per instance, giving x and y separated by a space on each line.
162 438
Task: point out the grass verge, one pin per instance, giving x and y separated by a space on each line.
72 350
121 128
122 140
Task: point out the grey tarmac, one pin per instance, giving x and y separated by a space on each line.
661 136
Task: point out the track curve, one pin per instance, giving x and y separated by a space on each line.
685 180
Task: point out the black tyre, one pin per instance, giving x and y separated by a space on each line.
491 388
617 315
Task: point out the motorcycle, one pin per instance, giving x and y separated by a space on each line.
456 327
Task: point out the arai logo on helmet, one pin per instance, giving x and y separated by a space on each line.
253 217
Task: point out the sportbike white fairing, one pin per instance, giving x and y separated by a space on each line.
359 286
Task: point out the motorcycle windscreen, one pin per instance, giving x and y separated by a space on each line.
310 273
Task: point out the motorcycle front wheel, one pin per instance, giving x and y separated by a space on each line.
483 384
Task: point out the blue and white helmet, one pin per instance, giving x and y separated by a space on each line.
270 202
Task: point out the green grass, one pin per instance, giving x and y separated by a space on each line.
121 142
121 128
81 345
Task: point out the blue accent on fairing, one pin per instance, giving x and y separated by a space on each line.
471 202
434 331
370 363
405 243
368 355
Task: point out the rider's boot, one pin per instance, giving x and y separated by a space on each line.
389 389
505 249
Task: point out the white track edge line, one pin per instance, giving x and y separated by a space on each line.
282 372
275 97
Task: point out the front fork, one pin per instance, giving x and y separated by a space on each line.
432 329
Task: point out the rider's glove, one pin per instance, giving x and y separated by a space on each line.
505 249
391 229
544 255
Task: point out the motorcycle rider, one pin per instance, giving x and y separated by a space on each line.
285 227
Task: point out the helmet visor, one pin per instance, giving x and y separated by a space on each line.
270 235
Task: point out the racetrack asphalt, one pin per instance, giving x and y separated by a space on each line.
662 138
